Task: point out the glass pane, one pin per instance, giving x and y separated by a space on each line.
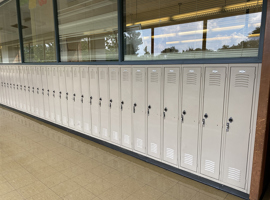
191 29
88 30
38 30
9 36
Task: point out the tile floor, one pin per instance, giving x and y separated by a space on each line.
41 162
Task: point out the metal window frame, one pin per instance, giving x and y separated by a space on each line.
121 61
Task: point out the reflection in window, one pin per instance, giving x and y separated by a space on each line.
88 30
9 36
191 29
38 30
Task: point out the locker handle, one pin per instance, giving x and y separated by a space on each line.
182 118
82 99
91 100
110 103
230 119
37 90
53 93
227 126
60 93
42 91
148 112
122 103
48 92
203 122
164 113
67 96
74 95
134 106
100 99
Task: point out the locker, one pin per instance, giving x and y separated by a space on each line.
7 86
191 83
63 95
114 77
154 111
27 82
14 88
238 124
77 93
2 86
11 86
212 116
86 108
126 107
39 96
94 102
17 87
69 96
51 93
104 103
45 92
56 99
31 82
21 88
170 115
36 86
139 108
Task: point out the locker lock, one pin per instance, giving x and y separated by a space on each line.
230 119
184 112
74 95
205 115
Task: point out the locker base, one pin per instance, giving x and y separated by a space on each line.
142 157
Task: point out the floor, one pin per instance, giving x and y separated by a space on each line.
41 162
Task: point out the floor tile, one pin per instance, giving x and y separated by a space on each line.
80 194
98 186
5 188
32 189
22 181
14 195
65 188
45 195
54 180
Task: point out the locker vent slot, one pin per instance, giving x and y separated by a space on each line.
138 76
113 75
241 80
191 78
214 79
209 166
83 74
170 153
105 132
139 143
153 148
93 74
234 174
154 77
102 75
126 139
188 159
115 135
125 76
171 78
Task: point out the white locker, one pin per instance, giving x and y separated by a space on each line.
238 124
63 95
36 81
45 92
21 88
86 108
191 83
11 86
51 93
94 90
104 103
27 81
170 115
2 85
77 98
139 108
17 86
32 82
56 99
154 111
69 96
126 107
39 96
212 116
7 86
114 77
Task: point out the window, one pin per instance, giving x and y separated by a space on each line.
9 36
88 30
38 30
191 29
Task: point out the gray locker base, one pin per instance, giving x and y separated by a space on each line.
144 158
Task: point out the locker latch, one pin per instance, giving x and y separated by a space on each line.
91 100
67 96
100 99
37 90
122 103
60 94
148 111
54 94
164 113
33 89
24 88
42 91
134 106
228 124
205 117
28 88
110 103
17 86
74 95
48 92
82 99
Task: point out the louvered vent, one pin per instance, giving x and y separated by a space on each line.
154 77
139 143
83 74
125 76
75 73
234 174
61 72
42 72
188 159
93 74
214 79
138 76
102 75
170 153
241 80
191 78
171 77
113 75
209 166
67 73
153 148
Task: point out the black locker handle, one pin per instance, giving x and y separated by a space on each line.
74 96
91 100
100 99
122 103
60 94
134 106
164 113
82 99
110 103
148 111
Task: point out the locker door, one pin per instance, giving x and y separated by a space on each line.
126 82
14 82
190 116
94 90
28 85
104 103
212 116
139 109
69 96
36 91
63 95
2 85
56 99
77 93
21 88
170 115
238 125
45 92
154 111
114 77
32 83
17 86
39 96
7 86
11 86
51 93
86 108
